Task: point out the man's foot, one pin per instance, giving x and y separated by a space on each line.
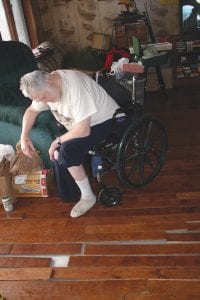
82 207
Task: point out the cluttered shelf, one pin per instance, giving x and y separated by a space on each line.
129 22
186 62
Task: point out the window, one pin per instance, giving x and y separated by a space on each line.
7 25
17 22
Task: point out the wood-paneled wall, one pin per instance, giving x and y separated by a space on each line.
72 22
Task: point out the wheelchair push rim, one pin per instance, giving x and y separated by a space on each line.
142 152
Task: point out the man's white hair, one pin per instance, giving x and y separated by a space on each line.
35 80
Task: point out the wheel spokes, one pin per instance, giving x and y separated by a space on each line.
147 138
143 153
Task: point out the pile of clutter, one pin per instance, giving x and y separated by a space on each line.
22 176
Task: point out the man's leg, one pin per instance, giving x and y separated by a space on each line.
88 198
71 156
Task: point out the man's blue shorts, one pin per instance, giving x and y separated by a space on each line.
72 153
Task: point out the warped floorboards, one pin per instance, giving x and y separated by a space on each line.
146 248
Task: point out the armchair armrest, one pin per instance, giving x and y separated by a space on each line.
14 114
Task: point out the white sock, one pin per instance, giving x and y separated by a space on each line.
88 199
85 188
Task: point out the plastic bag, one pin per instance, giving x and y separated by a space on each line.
117 67
6 188
4 167
6 152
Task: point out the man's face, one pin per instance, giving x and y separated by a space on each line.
48 94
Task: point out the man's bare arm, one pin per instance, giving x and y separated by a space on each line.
29 118
28 121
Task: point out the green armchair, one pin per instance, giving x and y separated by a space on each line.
16 59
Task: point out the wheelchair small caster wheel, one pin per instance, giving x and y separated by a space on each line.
110 196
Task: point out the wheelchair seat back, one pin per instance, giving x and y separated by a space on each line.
121 95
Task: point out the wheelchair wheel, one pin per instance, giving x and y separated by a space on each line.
141 152
110 196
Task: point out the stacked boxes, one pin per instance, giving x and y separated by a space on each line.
187 59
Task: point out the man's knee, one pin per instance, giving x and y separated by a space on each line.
70 154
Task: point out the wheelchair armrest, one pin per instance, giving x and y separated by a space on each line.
118 111
129 109
131 112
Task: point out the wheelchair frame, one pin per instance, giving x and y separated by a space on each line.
137 155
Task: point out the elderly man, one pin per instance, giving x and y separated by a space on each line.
85 110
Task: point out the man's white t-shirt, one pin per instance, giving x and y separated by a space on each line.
81 98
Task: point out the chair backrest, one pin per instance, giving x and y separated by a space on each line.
121 95
16 59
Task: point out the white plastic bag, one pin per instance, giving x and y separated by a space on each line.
6 151
117 67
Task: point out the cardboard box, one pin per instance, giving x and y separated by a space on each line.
101 41
37 184
133 68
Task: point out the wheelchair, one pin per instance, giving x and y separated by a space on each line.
137 148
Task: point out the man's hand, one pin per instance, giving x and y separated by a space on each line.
27 146
53 154
80 130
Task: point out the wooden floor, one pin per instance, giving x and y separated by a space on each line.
147 248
